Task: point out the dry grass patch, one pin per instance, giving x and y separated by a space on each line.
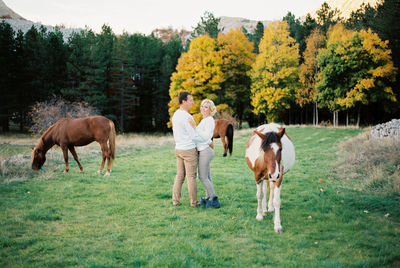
374 163
143 140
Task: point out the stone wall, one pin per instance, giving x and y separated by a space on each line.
389 129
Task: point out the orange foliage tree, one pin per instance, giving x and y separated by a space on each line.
308 71
237 58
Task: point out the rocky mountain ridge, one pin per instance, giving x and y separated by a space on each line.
346 6
17 22
8 13
226 23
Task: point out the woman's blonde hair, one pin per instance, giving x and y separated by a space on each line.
211 104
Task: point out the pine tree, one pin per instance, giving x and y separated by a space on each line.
326 17
122 92
79 65
172 52
95 87
7 74
208 25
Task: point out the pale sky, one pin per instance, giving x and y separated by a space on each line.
143 16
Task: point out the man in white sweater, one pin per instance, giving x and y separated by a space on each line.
185 150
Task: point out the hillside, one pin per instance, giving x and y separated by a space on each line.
7 13
17 22
347 6
227 23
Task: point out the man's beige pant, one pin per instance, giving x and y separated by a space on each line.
186 165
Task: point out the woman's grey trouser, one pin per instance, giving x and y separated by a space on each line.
205 157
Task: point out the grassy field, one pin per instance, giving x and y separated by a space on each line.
51 219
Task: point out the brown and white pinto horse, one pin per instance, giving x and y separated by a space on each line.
70 132
270 154
224 129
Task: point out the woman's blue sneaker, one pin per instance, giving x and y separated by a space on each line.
213 203
203 202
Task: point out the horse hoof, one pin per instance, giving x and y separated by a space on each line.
259 217
278 230
224 155
98 172
264 213
107 174
65 171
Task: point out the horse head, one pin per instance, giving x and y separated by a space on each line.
38 156
272 147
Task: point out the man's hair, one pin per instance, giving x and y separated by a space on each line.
183 96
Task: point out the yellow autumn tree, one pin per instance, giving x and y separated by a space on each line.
308 71
356 69
333 65
237 56
375 71
274 74
199 72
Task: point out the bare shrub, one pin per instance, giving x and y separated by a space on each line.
326 123
226 112
374 163
44 114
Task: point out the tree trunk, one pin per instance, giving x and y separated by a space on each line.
334 119
5 121
306 114
21 123
358 116
122 101
347 118
315 114
337 118
301 116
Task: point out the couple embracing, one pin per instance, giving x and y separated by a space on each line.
194 150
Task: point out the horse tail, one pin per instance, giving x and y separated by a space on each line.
229 135
111 139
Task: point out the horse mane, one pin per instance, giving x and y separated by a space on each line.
271 137
50 129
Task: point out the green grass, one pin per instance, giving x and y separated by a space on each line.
54 219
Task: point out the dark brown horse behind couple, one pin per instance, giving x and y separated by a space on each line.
70 132
224 130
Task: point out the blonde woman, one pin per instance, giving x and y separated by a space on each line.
204 146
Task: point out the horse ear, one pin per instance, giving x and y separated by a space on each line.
262 136
281 132
33 148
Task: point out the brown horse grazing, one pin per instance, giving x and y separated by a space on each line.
224 129
270 154
70 132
